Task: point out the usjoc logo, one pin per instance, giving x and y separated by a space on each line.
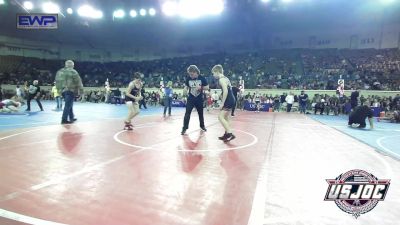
356 192
37 21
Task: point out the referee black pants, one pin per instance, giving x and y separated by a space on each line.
192 103
28 102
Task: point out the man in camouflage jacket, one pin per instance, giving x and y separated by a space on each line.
69 84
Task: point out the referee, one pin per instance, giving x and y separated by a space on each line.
195 84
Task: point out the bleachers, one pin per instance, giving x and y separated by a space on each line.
293 69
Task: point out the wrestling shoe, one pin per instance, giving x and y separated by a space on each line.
229 137
223 136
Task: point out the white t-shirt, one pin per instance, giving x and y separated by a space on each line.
289 99
18 91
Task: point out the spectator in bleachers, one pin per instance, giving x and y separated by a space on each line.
298 69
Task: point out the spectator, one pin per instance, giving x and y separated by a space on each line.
289 100
303 99
354 98
168 98
319 104
142 102
333 105
235 91
277 103
18 92
57 97
118 96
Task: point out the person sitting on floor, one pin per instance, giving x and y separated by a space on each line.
393 117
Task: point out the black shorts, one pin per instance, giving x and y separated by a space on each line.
229 104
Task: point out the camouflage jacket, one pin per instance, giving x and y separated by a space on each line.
68 79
